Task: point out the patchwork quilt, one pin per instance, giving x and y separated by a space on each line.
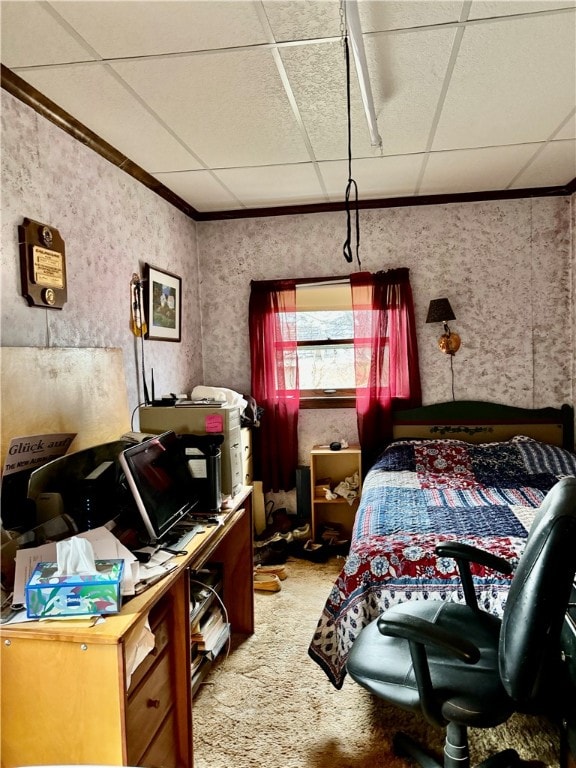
420 493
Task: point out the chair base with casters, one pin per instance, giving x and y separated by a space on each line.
405 746
460 667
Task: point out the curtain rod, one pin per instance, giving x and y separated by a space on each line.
309 281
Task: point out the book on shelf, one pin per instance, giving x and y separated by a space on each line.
210 634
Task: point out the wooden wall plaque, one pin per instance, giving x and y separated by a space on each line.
42 265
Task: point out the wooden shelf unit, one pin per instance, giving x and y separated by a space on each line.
66 694
334 466
205 604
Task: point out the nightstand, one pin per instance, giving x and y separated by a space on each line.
327 469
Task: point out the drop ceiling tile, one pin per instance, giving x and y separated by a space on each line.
229 107
274 185
407 72
486 9
318 80
92 94
302 19
407 76
568 131
31 36
554 166
305 20
376 15
128 28
380 177
200 189
474 170
514 81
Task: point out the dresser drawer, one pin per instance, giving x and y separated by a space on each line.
147 707
163 749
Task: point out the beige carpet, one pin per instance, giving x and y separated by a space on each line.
268 704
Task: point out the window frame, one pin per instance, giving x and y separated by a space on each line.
326 398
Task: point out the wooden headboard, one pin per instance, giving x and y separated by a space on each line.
481 422
51 390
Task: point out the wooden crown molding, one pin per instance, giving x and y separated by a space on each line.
26 93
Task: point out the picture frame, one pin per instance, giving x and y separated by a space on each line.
163 304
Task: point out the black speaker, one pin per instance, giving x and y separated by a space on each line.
303 503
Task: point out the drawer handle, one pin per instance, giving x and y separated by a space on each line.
154 703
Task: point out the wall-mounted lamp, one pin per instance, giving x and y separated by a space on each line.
440 311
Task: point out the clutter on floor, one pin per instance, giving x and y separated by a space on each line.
267 582
285 535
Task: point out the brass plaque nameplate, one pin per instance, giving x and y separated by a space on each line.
48 267
42 265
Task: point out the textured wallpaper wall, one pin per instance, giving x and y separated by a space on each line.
111 226
506 267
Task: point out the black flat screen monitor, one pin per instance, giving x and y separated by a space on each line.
161 483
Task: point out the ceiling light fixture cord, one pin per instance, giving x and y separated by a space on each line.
351 182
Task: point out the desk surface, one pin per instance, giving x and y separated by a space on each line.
115 626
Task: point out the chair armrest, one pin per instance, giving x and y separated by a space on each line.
470 554
425 632
464 554
419 633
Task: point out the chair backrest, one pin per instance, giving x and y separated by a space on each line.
539 597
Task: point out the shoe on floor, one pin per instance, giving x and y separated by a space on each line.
302 533
279 570
263 539
267 582
273 553
317 553
282 524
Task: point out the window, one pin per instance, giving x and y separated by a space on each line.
289 321
325 344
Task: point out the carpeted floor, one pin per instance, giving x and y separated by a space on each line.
268 704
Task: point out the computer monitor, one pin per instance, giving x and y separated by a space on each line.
161 483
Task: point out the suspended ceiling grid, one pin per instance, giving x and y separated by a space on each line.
242 104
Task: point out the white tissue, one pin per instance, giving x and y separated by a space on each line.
75 555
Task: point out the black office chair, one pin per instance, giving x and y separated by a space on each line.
459 666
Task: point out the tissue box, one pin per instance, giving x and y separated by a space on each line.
76 594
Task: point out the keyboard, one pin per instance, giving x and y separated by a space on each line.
185 537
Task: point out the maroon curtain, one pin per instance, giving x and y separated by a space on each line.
385 355
274 362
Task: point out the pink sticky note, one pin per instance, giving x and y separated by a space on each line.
214 423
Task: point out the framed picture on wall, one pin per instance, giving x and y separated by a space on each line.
163 304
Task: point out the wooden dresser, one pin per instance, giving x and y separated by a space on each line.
66 691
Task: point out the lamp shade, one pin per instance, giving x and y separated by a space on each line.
440 311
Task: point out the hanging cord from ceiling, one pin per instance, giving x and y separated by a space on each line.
351 185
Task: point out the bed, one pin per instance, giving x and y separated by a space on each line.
467 471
